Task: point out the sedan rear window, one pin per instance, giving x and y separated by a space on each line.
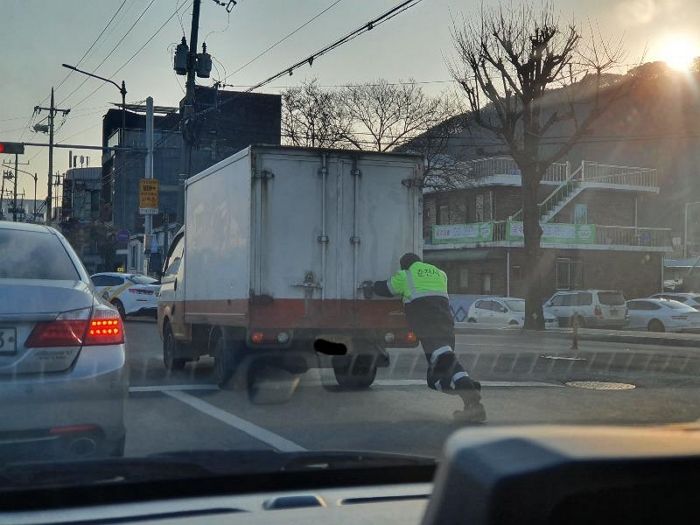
676 305
611 298
34 255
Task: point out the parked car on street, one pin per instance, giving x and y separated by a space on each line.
130 293
503 311
591 308
63 377
690 299
661 315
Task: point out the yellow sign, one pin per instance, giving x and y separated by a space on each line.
148 196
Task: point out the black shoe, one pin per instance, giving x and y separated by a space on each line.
473 414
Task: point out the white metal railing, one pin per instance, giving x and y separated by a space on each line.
631 236
490 166
619 175
605 235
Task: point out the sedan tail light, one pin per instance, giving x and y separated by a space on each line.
141 291
78 328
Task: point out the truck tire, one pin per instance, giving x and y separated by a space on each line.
355 372
171 349
224 363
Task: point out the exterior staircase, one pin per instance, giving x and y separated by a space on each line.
593 175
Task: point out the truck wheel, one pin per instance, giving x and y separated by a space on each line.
170 350
355 372
224 363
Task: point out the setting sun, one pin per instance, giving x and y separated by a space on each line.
678 52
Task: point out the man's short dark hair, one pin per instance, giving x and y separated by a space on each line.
407 259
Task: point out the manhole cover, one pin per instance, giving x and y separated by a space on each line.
600 385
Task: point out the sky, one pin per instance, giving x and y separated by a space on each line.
39 35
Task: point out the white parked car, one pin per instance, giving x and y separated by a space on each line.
691 299
661 315
503 311
592 308
131 294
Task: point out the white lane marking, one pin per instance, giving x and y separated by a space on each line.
253 430
171 388
488 384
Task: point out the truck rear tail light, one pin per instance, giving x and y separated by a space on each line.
257 337
598 312
106 328
411 338
389 337
68 329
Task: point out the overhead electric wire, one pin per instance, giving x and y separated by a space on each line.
111 77
387 15
111 52
270 48
93 44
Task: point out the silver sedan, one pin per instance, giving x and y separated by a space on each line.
63 375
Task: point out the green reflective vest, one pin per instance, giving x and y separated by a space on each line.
420 280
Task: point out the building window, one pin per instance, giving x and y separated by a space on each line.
581 214
486 284
484 206
443 214
516 272
463 278
569 274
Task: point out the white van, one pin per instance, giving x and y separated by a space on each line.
592 308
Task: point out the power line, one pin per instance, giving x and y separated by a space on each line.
93 43
111 52
387 15
100 86
270 48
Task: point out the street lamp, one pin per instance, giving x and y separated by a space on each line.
122 90
685 229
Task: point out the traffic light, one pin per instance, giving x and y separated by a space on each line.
12 147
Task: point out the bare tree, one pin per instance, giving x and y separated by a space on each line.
525 76
314 117
385 116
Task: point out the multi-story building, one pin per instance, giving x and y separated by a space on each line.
590 216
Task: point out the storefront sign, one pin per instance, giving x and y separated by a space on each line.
463 233
555 233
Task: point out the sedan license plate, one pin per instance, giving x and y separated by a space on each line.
8 340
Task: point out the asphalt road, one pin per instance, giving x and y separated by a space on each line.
526 379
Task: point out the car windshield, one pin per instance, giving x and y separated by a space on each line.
330 234
611 298
517 305
143 279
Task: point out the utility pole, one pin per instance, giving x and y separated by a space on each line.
148 218
188 111
53 110
14 191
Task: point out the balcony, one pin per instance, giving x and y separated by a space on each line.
509 234
504 171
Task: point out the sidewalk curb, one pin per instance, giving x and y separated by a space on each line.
678 340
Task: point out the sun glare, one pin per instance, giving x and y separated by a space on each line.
678 52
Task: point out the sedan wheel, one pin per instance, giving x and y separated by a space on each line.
656 326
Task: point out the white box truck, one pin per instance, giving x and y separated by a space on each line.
274 260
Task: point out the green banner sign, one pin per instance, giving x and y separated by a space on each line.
555 233
473 233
